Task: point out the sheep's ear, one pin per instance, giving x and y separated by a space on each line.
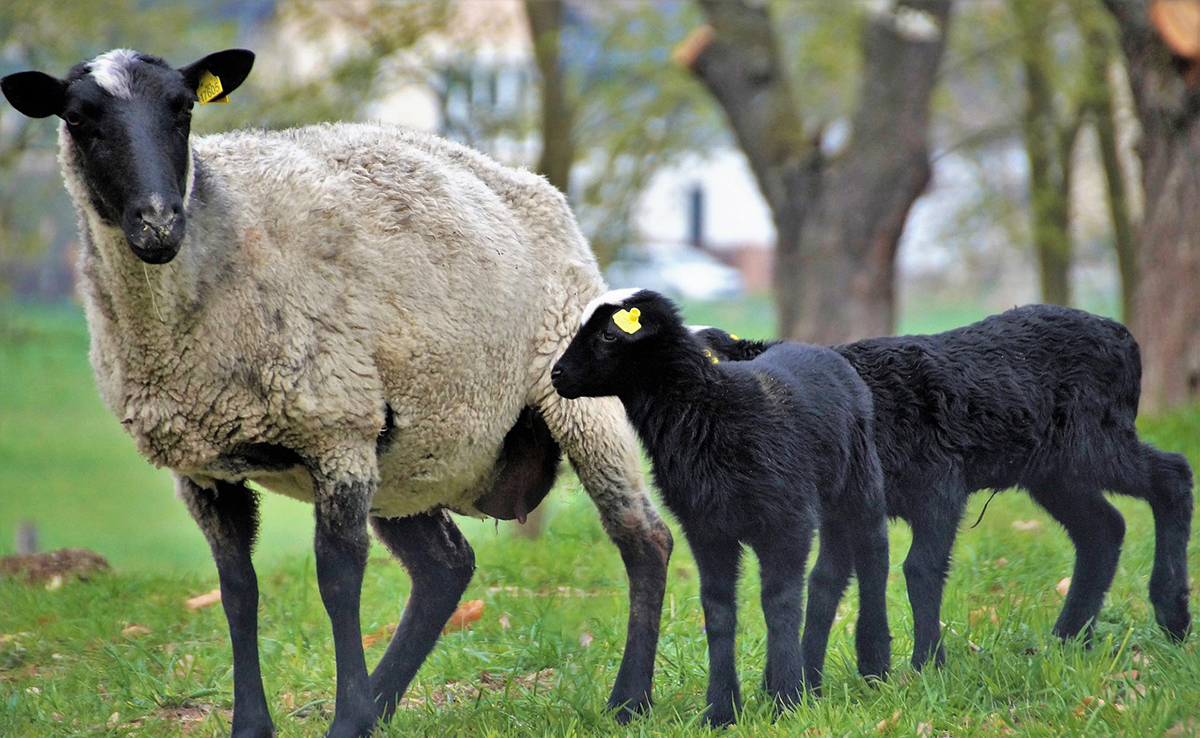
218 74
35 94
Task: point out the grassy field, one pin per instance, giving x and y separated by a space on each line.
540 660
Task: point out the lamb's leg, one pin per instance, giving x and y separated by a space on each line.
341 542
600 445
1097 530
934 527
1165 481
782 557
873 641
826 585
228 516
440 563
719 561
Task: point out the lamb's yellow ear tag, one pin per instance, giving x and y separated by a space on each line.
734 336
210 89
627 320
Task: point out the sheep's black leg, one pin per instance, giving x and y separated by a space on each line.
341 554
228 516
1165 481
1097 530
782 558
719 562
596 436
440 563
934 528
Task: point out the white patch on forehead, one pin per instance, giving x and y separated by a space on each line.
614 297
698 328
111 71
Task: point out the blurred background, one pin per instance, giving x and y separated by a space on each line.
820 171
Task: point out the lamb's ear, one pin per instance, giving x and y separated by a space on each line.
35 94
218 74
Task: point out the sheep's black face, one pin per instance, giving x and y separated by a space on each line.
127 119
613 349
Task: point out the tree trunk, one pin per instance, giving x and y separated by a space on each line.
1048 147
838 219
1099 52
1167 302
558 146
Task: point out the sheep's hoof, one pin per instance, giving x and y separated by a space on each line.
626 710
921 659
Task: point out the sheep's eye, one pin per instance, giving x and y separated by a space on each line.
608 336
73 119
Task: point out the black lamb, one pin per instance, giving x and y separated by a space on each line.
1040 397
755 453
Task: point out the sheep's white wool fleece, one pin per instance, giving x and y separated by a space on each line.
328 271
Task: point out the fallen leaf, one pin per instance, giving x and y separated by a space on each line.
885 725
924 730
1088 703
383 634
585 640
504 622
977 617
113 720
467 613
1002 562
1029 526
133 630
208 599
288 700
1182 728
1063 586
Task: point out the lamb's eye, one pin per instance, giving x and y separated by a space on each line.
73 119
608 336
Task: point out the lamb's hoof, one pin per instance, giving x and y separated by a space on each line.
258 730
719 717
921 659
1176 621
625 710
787 698
355 727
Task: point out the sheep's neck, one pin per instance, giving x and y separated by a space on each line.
677 399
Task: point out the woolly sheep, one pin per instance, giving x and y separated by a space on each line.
357 316
754 453
1040 397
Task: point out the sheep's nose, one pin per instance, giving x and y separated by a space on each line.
555 373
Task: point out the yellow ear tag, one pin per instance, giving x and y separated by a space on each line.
210 89
734 336
627 320
709 354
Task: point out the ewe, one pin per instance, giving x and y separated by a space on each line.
353 315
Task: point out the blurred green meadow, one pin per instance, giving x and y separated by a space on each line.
544 653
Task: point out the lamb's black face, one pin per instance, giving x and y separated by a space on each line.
128 118
611 350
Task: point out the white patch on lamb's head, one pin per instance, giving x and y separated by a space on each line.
613 297
698 328
111 71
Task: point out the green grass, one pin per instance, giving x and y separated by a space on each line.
66 667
